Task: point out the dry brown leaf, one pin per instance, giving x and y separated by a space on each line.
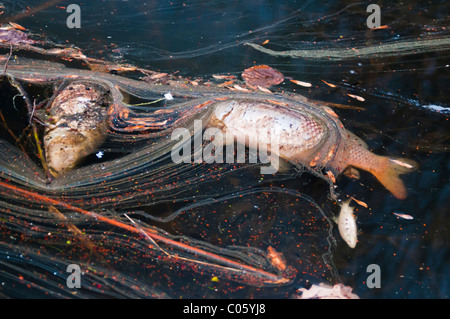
262 75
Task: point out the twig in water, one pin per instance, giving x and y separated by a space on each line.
9 57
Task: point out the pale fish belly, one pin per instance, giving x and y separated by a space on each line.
76 124
293 135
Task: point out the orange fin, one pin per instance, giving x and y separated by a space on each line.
388 174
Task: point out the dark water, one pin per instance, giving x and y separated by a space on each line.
405 113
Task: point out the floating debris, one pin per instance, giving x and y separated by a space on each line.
359 98
437 108
301 83
263 89
325 291
329 84
240 88
402 163
262 75
360 202
226 83
14 36
17 26
276 258
404 216
380 27
223 77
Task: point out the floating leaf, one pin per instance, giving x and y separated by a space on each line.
262 75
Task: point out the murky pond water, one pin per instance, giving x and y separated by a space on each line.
397 78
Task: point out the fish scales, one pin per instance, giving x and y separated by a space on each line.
307 135
76 126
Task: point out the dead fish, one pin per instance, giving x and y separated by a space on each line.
309 136
76 124
347 224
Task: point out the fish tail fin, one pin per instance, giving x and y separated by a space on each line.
389 171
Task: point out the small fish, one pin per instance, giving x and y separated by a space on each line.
404 216
347 224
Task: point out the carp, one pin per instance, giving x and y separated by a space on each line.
308 135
